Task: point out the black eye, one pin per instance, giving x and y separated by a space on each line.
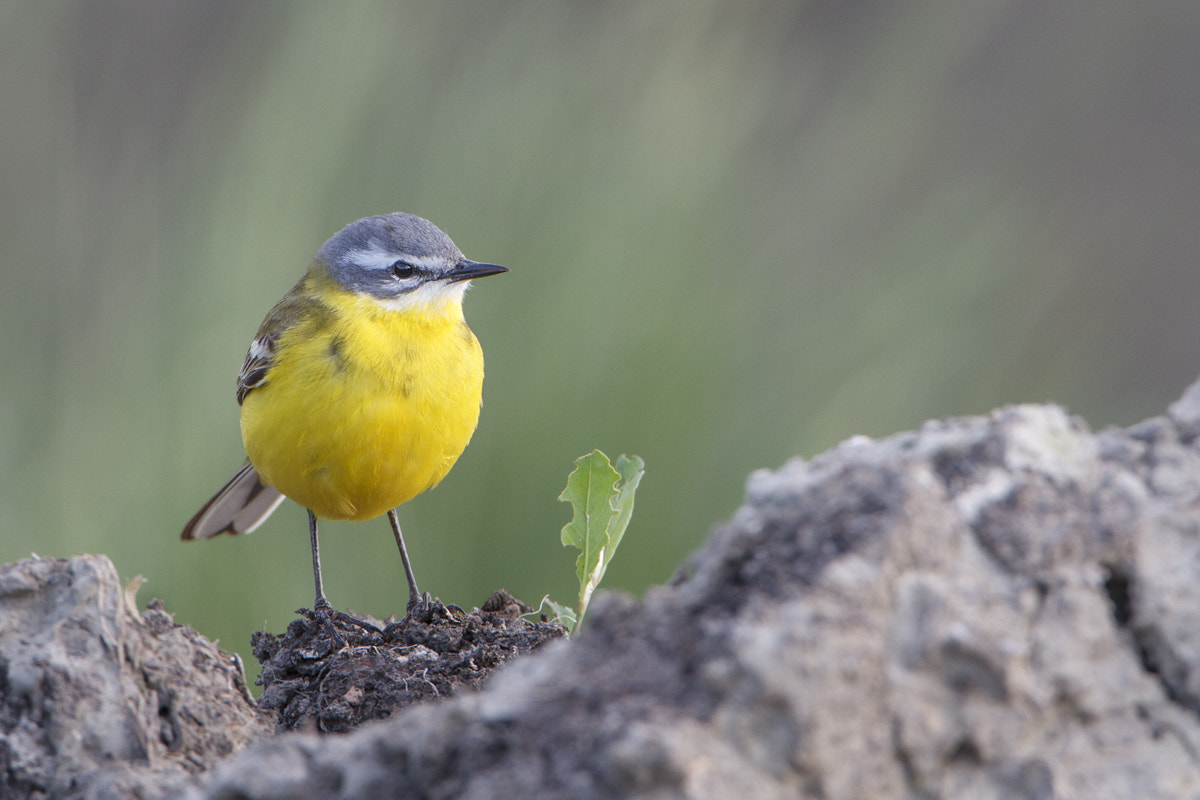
403 271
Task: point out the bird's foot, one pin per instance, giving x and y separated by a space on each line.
325 614
426 610
330 617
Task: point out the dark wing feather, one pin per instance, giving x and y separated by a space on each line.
259 360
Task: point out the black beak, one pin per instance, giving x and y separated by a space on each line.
469 270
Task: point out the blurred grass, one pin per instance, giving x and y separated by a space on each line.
792 222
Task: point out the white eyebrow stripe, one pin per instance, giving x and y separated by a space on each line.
376 257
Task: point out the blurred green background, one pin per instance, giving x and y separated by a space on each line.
738 232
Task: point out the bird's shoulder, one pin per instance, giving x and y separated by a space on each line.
302 306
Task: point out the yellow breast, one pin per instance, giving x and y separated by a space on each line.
366 407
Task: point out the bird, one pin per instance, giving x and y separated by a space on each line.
361 388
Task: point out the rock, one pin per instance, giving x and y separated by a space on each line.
989 607
994 607
98 701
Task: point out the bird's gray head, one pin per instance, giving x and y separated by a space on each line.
399 257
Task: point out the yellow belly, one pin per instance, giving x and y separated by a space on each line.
360 416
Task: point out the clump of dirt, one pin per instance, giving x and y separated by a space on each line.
331 673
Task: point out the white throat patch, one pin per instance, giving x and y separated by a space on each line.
427 295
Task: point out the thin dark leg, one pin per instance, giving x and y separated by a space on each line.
321 601
322 610
414 596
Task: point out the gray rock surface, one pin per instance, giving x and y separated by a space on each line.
990 607
993 607
97 701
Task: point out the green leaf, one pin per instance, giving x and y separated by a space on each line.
631 468
602 499
589 490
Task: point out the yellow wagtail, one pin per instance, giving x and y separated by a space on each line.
361 388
